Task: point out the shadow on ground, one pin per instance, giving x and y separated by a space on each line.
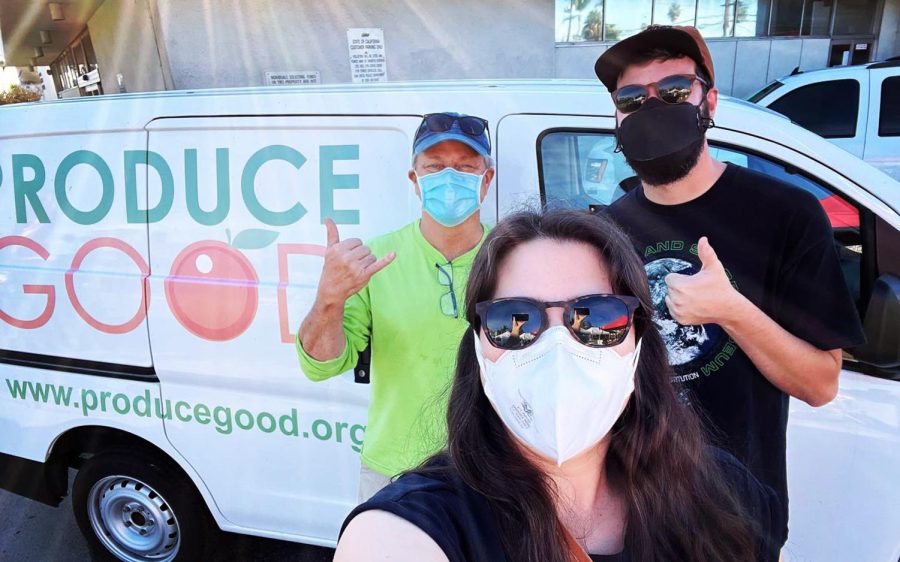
34 532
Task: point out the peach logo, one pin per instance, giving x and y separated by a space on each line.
212 288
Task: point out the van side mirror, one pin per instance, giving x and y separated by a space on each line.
881 325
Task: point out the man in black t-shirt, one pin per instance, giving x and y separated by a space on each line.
748 291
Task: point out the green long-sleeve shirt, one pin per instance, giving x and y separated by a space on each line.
414 348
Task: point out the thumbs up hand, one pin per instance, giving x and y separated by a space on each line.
705 297
349 265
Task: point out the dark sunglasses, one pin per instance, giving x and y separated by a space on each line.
671 89
441 122
594 320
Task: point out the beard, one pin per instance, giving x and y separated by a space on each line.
669 168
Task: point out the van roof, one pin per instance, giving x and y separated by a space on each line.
120 112
587 98
423 86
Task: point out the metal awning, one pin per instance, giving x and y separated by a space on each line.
22 21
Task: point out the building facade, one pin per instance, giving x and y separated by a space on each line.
107 46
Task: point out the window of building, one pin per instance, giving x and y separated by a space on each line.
80 59
674 12
88 46
829 109
57 82
751 18
816 17
786 17
715 18
611 20
71 72
854 17
73 64
592 29
68 68
889 117
624 18
569 18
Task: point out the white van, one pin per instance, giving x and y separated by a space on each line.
855 107
158 251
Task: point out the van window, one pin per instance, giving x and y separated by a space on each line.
889 118
580 169
829 109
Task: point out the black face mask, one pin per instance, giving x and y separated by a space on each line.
662 142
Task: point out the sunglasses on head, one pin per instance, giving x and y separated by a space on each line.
442 122
594 320
671 89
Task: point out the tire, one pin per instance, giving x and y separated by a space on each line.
133 507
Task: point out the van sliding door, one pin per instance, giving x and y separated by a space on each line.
236 252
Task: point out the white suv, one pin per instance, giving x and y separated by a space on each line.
855 107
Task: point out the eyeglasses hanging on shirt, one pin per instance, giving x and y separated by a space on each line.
448 299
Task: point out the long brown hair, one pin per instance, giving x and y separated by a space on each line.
678 505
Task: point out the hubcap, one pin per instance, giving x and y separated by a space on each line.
133 521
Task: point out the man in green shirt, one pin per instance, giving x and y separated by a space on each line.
410 311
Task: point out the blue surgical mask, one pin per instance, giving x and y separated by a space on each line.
450 196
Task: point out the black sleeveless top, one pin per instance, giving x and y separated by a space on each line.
460 520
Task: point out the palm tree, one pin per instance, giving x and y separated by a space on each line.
742 12
593 26
612 32
726 20
574 6
739 9
674 12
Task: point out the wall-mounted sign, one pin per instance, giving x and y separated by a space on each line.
292 78
367 57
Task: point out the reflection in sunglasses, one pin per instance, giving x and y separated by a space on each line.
671 89
594 320
619 322
513 334
609 333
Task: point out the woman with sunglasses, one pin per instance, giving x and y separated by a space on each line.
566 442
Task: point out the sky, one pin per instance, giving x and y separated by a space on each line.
8 77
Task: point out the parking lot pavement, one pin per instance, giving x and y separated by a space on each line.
34 532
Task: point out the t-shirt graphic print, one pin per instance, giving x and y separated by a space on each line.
693 350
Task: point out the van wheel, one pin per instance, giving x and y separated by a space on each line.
132 507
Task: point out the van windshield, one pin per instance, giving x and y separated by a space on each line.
765 91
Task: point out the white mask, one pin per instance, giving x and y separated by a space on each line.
558 396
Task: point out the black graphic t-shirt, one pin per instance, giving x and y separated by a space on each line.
777 247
